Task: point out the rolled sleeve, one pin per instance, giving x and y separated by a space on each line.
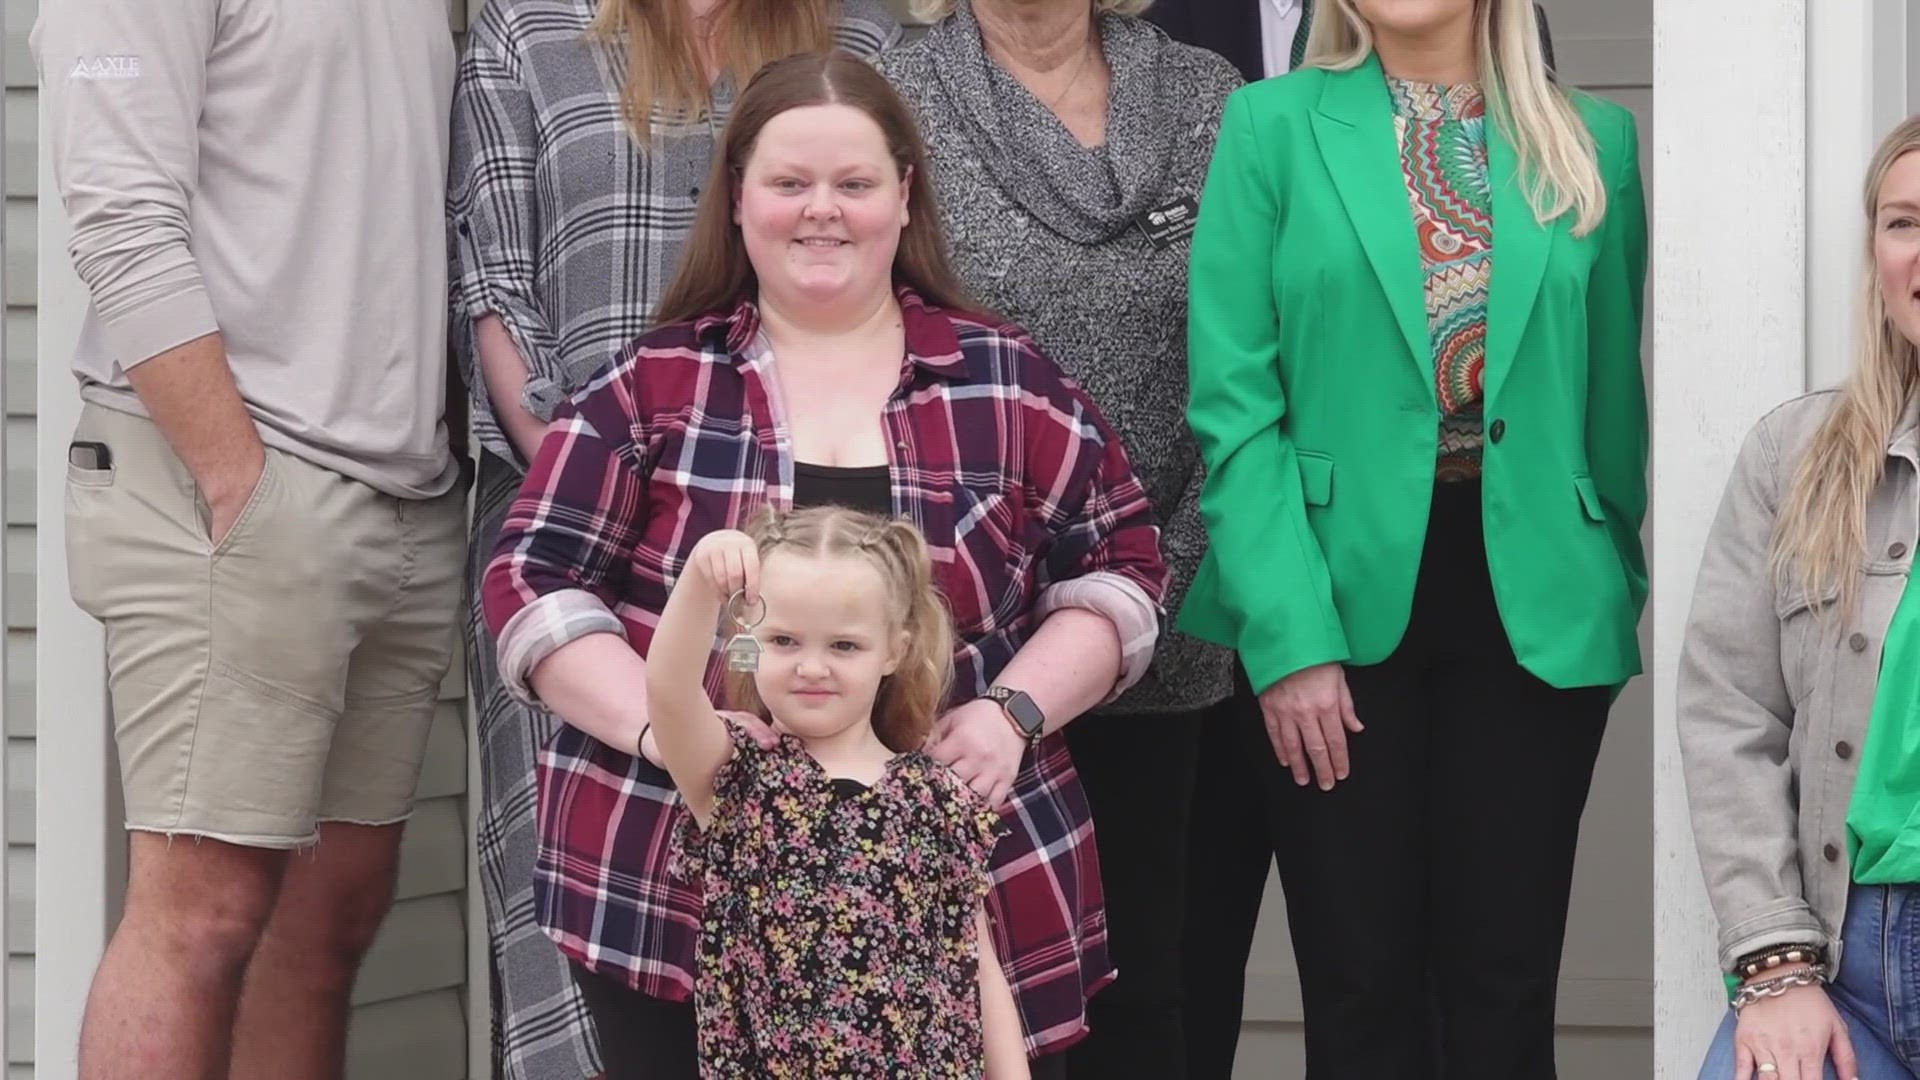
1121 602
1084 490
540 629
560 564
1788 922
493 222
124 93
1103 550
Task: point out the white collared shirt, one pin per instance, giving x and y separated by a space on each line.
1279 21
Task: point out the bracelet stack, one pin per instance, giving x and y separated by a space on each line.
1754 964
1817 975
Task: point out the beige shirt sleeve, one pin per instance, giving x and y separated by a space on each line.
124 90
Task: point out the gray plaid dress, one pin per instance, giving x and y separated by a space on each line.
568 231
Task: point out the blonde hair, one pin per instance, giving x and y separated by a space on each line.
934 10
1821 532
665 76
911 697
1558 162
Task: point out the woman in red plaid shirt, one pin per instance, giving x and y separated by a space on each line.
815 348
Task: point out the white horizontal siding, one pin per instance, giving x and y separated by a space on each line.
20 182
419 1038
401 1028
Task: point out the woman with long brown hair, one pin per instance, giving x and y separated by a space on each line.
1799 696
582 134
815 349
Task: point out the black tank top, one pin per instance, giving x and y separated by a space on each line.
868 488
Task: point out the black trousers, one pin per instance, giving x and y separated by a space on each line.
1138 773
645 1038
1229 853
1427 893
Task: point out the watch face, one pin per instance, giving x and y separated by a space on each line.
1026 713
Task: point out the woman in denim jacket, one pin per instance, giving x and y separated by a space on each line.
1799 698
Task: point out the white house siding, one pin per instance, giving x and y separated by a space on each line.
410 1013
20 185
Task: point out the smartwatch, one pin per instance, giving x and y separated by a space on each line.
1022 713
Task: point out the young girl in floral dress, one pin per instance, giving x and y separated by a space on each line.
844 871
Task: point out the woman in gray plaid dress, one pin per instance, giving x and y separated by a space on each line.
566 222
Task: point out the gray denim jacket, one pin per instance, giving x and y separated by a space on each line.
1775 693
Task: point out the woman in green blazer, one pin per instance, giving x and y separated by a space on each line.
1415 348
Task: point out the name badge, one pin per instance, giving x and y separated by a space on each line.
1168 225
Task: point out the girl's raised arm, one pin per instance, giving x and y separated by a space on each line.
693 741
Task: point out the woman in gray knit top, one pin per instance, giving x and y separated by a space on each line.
1069 144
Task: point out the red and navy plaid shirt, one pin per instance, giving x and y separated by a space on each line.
1001 461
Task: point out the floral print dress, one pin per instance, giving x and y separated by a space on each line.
838 932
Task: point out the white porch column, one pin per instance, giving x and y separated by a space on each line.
1729 309
1856 91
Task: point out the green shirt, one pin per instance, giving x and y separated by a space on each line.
1883 821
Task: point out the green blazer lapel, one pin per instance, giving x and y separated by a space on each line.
1520 249
1353 127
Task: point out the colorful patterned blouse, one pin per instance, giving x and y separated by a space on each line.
1028 504
838 937
1443 153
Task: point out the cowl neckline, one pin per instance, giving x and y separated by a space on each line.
1088 194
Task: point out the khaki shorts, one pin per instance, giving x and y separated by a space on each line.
283 677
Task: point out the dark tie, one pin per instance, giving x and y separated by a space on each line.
1300 36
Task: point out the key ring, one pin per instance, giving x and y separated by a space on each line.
743 650
733 611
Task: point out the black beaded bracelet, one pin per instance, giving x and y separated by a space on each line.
1767 959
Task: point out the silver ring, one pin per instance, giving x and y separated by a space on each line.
733 611
1769 1067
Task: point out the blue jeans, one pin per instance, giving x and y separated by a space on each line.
1877 992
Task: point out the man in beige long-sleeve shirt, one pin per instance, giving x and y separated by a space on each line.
262 509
